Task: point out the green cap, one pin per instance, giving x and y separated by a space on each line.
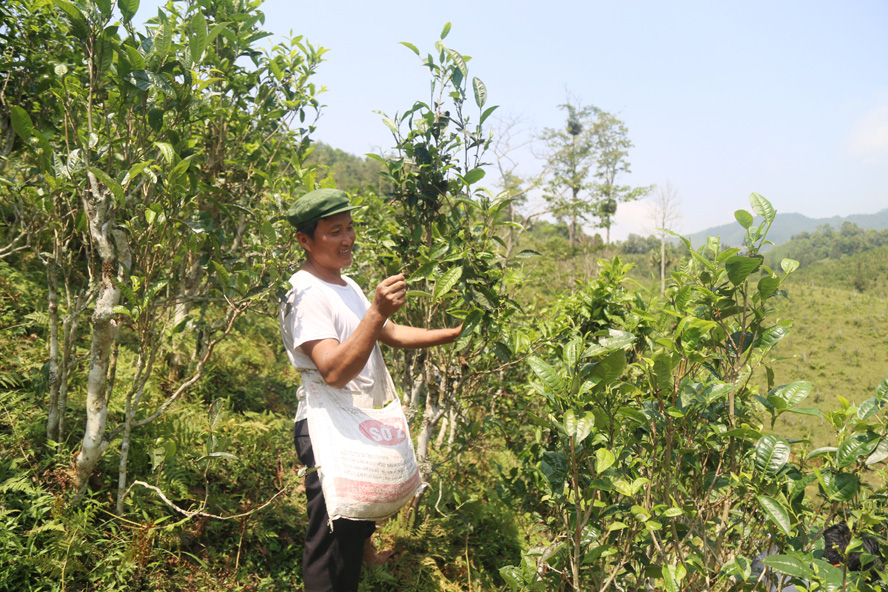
318 204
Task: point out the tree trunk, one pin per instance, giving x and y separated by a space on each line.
414 394
104 333
193 277
52 297
442 430
69 335
430 418
452 423
113 254
144 369
572 232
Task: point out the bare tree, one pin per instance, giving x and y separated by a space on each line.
665 211
511 139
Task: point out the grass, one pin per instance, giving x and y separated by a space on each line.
838 343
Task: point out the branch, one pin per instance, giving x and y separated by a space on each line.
11 248
200 514
235 314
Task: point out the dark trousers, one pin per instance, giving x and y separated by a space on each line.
332 559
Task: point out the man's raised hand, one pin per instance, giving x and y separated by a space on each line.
390 295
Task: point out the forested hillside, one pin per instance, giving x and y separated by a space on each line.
827 253
792 225
592 428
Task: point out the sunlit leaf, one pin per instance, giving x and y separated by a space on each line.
163 38
487 113
390 124
480 92
812 411
166 149
21 123
197 43
447 281
526 254
502 351
128 9
104 7
789 265
672 577
473 176
762 207
791 394
549 375
570 423
604 459
615 340
76 19
869 407
771 336
768 285
737 566
855 446
879 454
410 46
771 454
776 513
789 566
739 268
459 61
744 218
585 425
822 451
882 389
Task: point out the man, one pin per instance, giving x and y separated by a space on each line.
836 539
328 325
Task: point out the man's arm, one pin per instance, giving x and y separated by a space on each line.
406 337
339 362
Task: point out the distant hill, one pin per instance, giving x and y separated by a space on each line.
788 225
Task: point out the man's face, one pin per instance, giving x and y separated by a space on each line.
334 238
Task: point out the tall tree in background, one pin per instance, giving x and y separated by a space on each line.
585 159
665 211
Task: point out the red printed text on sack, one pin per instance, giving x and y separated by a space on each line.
380 433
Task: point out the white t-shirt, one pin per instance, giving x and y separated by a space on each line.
314 309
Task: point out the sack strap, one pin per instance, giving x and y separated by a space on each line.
383 391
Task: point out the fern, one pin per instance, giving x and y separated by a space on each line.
39 317
19 484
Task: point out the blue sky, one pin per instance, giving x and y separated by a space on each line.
785 98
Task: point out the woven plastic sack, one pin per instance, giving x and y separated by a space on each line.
365 457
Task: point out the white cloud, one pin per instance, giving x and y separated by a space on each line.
869 136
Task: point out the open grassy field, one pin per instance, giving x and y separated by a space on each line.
838 342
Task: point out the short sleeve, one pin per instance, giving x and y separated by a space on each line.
305 315
312 316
